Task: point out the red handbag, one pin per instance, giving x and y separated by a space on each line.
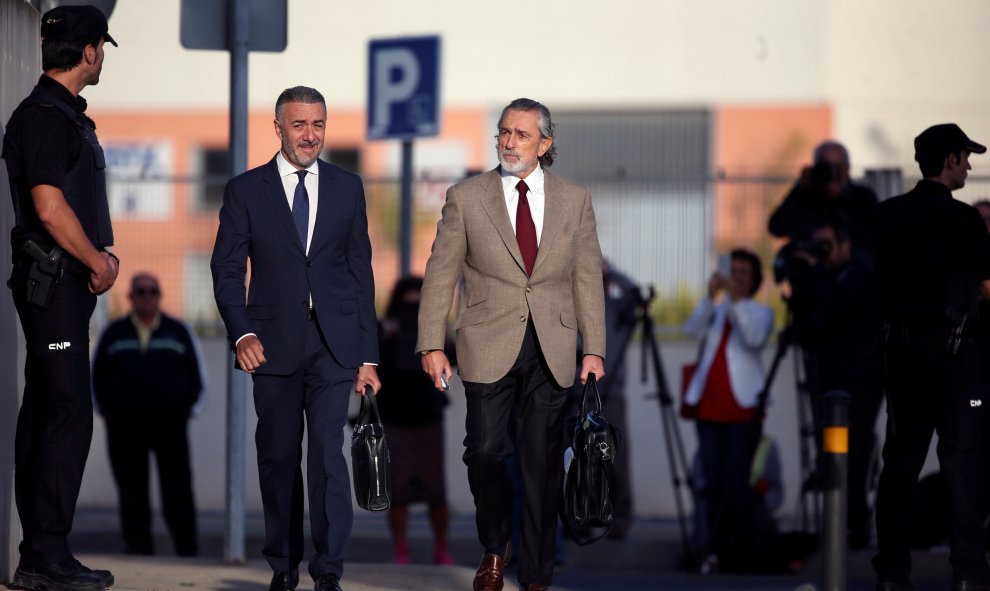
688 411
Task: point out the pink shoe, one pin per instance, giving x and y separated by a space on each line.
442 556
402 553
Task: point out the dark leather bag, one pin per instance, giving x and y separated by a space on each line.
588 508
372 474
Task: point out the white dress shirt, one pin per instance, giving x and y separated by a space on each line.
536 196
289 182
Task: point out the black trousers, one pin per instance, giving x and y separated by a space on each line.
55 423
931 392
726 451
319 392
538 401
131 440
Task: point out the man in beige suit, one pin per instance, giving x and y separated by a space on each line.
525 242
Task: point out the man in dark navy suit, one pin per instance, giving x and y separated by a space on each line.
306 333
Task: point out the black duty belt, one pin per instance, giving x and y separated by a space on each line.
35 251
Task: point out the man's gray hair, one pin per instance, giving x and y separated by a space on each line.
298 94
545 123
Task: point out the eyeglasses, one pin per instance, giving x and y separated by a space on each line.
147 291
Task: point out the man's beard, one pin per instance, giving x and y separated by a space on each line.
513 168
296 156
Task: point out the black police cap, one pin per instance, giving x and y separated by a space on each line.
943 139
82 24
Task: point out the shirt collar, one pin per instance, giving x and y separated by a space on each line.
55 87
935 188
155 322
535 178
285 169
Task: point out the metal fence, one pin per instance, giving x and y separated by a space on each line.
662 234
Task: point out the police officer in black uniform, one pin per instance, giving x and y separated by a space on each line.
933 264
62 231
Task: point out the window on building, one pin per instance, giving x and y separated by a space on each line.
200 309
210 172
347 158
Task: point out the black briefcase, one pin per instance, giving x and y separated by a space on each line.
372 474
588 508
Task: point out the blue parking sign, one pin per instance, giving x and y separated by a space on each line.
404 88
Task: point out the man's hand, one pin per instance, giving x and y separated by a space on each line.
592 364
436 364
103 278
250 353
367 375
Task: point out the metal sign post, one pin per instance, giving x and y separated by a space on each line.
239 26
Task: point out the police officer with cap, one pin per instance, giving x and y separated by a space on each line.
933 265
61 263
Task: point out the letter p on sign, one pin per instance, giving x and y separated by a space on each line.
404 88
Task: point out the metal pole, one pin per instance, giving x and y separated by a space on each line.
237 35
405 213
835 445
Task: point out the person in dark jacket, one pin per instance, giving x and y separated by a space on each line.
842 339
147 378
412 414
933 265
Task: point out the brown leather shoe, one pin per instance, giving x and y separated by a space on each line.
536 587
489 575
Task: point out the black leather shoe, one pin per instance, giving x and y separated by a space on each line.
970 586
66 576
284 580
106 575
892 586
327 582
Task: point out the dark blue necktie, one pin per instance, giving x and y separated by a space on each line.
300 208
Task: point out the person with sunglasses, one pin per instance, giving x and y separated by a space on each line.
148 376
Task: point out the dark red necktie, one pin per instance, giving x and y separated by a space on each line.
525 229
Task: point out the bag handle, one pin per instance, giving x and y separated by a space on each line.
369 407
590 385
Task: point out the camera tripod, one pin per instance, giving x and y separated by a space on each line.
807 429
680 474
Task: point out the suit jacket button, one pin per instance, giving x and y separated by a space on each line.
528 289
309 262
522 319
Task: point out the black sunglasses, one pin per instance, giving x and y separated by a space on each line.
147 291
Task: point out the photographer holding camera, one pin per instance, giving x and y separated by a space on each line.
842 353
825 192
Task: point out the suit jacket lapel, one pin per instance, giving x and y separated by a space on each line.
494 203
324 210
552 216
275 193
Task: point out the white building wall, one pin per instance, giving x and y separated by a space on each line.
562 51
888 67
895 67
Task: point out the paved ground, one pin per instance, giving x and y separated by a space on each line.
645 560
